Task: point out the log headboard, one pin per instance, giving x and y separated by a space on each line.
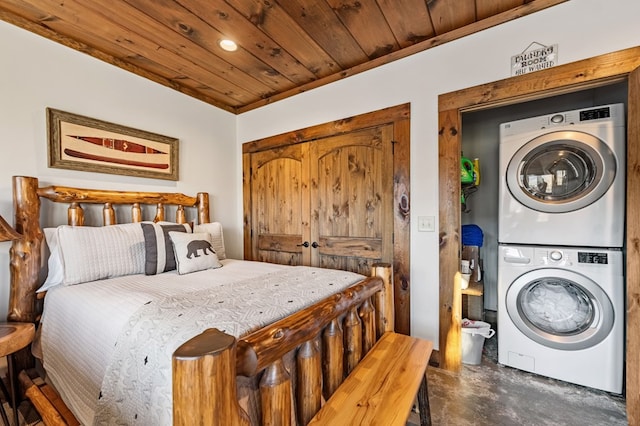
28 268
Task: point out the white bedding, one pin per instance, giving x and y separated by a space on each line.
81 324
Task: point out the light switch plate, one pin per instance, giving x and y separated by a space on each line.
426 223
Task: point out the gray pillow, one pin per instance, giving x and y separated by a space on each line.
159 254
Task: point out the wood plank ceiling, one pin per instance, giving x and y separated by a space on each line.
285 46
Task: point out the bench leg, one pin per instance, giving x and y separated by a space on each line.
423 402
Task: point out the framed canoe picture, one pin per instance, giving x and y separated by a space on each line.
87 144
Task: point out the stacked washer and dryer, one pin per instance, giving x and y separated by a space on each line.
561 297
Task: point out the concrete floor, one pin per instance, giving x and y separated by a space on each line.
490 394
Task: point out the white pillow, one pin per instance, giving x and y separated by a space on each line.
55 273
194 252
217 239
94 253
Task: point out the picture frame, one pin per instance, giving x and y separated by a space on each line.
81 143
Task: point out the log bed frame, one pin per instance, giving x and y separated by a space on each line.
329 338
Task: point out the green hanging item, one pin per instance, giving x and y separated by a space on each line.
466 171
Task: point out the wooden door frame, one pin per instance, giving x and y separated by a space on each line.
399 116
594 72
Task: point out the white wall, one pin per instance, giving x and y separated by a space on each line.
36 73
581 28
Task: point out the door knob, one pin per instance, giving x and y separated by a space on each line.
315 245
305 244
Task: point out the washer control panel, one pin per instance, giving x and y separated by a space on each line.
587 260
560 257
553 257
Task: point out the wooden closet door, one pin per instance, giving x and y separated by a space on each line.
351 198
325 203
365 226
280 205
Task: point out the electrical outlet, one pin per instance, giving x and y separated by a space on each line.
426 223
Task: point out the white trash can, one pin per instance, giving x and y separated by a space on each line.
473 335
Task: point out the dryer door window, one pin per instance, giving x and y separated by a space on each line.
560 309
561 171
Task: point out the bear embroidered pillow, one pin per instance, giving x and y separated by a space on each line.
194 252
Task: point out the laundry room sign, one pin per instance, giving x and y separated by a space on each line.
530 60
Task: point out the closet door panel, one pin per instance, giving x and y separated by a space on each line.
279 202
351 194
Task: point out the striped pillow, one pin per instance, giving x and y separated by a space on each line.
159 254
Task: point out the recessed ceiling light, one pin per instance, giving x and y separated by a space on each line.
228 45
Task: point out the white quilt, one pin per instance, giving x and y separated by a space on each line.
107 345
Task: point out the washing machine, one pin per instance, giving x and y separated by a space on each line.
563 178
561 313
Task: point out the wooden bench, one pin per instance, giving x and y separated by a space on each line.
382 388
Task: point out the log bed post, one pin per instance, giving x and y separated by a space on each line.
25 253
204 385
25 261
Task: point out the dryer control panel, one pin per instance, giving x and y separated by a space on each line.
613 113
595 114
572 117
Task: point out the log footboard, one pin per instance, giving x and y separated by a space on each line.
329 339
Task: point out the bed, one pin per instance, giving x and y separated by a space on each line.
145 321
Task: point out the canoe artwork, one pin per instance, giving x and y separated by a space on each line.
87 144
116 150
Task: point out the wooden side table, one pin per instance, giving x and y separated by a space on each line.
13 337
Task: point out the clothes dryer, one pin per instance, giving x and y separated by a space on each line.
561 313
563 178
